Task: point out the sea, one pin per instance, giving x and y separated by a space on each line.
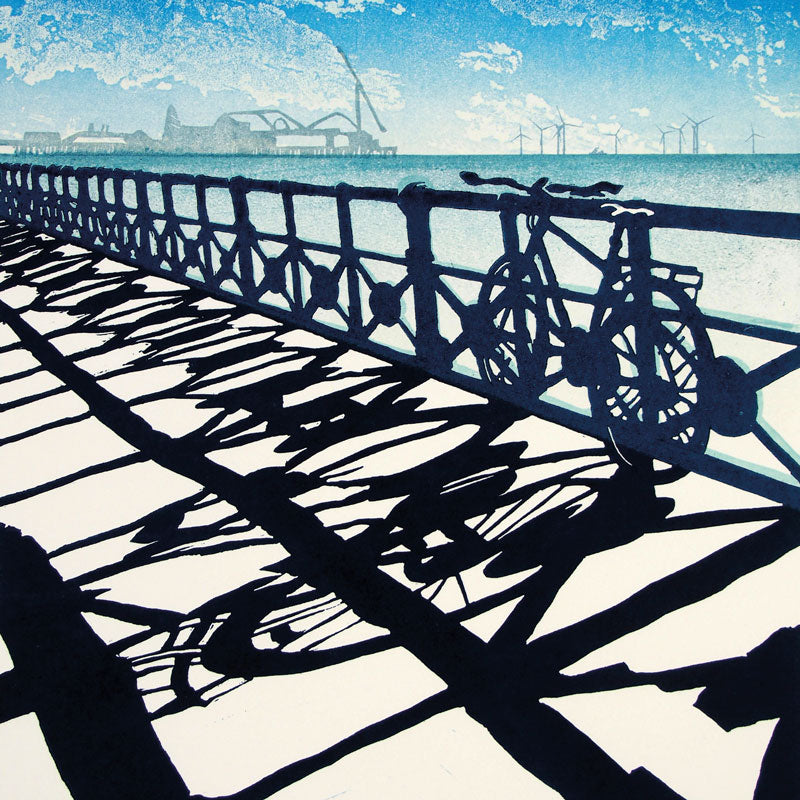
746 278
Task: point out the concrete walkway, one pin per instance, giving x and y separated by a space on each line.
326 576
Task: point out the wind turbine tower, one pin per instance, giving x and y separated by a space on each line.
696 132
520 136
541 136
616 139
679 129
752 139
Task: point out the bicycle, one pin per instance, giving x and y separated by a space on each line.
645 355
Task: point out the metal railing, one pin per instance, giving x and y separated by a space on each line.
632 359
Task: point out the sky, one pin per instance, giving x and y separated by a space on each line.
444 76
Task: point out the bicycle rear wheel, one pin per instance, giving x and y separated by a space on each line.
656 396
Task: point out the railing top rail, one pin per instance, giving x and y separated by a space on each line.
772 224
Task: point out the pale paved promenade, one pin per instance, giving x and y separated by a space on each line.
330 576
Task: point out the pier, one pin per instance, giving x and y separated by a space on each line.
314 504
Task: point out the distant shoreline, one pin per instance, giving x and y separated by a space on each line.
40 157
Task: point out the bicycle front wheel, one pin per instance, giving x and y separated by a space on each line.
511 346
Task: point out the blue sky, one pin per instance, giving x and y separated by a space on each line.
445 76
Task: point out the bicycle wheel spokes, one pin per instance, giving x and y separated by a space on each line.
654 394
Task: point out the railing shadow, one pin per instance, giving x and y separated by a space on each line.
394 518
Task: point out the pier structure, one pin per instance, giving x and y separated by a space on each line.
281 134
232 133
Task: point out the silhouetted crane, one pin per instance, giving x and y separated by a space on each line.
360 92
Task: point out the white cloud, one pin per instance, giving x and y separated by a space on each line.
713 30
163 86
337 8
772 104
492 122
254 48
399 9
643 111
493 57
496 86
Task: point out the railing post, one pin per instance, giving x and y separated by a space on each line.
84 205
298 301
144 221
244 236
102 219
639 257
128 245
4 174
70 204
168 252
26 207
349 257
50 217
510 231
61 203
430 344
204 234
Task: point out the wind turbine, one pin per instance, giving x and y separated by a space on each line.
696 132
663 140
541 135
561 131
520 136
616 139
679 129
752 138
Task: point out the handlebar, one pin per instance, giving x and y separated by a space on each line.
544 187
